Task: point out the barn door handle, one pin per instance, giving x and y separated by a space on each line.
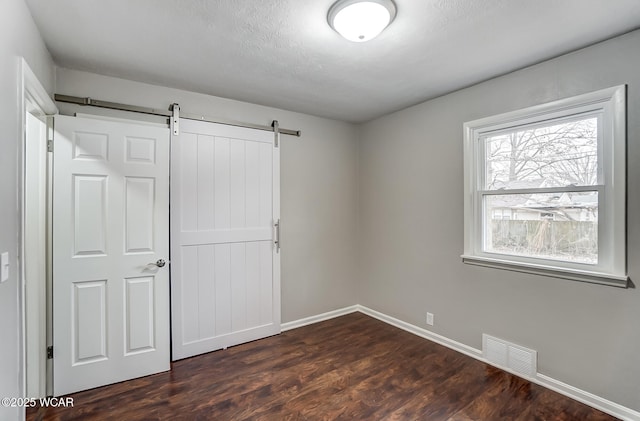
276 240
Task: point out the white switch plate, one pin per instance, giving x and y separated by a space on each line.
4 266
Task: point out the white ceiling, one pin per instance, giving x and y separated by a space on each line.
282 53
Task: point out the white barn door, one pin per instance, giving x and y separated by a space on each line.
110 229
225 266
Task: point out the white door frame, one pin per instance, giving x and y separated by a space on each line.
33 99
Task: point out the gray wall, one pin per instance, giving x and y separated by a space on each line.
411 230
318 187
18 37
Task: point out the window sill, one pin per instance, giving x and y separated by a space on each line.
552 271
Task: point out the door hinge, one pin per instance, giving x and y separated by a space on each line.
50 133
49 352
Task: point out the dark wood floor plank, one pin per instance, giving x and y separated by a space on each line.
350 368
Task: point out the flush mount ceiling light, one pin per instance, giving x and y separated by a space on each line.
361 20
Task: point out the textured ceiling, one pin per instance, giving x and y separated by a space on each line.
282 53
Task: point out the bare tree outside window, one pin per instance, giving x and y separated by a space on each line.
561 155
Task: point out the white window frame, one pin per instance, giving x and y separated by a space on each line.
609 105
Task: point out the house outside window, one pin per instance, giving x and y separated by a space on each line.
545 189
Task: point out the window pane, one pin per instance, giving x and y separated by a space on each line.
552 156
558 226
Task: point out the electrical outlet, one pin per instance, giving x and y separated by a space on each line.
430 319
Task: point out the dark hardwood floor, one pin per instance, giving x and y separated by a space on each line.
350 368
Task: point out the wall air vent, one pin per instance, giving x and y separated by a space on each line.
514 358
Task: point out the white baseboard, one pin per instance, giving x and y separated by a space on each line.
318 318
597 402
423 333
594 401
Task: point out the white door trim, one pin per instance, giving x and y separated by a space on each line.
33 98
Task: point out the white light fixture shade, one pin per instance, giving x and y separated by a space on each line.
361 20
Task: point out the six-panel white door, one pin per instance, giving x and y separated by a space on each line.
111 216
225 271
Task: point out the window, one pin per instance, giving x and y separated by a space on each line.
545 189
